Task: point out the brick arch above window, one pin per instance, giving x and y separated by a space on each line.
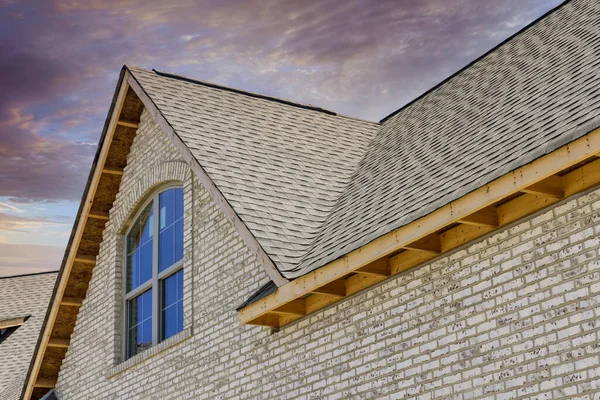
150 181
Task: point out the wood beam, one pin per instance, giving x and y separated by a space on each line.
85 259
45 383
486 217
551 187
127 124
10 323
59 343
294 307
429 244
98 215
71 301
335 288
378 268
113 170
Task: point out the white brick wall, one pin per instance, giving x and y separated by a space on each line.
510 316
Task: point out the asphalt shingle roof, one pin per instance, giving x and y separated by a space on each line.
312 186
21 296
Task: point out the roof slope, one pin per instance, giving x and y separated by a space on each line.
312 186
522 100
21 296
281 165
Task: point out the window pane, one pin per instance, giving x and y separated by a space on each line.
172 305
139 249
139 330
170 240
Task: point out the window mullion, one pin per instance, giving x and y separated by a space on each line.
155 286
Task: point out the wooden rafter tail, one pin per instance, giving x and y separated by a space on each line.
58 343
551 187
431 244
98 215
113 171
487 217
127 124
45 383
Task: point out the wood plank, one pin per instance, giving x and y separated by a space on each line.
358 282
408 259
294 307
127 124
430 244
98 215
317 301
462 234
335 288
9 323
85 259
112 170
60 343
45 383
485 217
522 206
71 301
379 268
582 178
271 320
551 187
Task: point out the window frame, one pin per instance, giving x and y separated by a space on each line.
154 283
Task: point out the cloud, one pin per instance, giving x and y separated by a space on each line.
18 259
20 223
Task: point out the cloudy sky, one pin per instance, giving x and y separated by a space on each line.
60 60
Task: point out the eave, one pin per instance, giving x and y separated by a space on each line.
564 172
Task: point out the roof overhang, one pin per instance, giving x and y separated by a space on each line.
571 169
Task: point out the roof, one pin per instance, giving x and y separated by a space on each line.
522 100
312 185
24 296
281 165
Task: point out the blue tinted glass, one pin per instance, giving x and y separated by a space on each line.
140 323
172 305
139 249
170 241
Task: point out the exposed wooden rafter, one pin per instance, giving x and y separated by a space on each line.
564 172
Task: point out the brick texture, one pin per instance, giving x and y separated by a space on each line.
513 315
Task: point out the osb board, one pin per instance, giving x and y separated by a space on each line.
119 148
108 186
52 362
132 107
78 280
65 322
91 237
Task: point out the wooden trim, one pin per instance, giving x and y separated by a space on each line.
85 259
209 185
112 170
72 256
10 323
45 383
71 301
127 124
98 215
462 209
485 217
60 343
551 187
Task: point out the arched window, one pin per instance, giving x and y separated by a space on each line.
154 274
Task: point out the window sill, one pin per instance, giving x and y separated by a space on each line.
149 353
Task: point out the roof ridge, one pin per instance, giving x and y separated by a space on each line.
467 66
247 93
31 274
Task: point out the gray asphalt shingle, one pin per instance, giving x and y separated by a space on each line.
21 296
312 186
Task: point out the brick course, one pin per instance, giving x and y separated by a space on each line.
513 315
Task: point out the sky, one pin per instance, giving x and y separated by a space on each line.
60 61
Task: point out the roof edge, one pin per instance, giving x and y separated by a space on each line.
244 92
31 274
475 61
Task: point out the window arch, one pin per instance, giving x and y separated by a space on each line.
153 300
